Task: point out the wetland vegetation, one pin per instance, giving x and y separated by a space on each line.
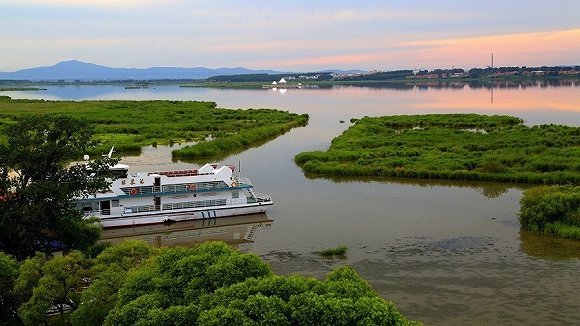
467 147
130 125
552 209
451 146
338 252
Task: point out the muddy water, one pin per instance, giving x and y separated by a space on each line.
445 252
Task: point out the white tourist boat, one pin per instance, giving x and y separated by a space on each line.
162 197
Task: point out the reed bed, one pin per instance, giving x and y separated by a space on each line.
552 209
339 252
131 125
451 146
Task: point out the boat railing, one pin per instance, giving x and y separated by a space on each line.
260 197
178 187
177 173
138 190
245 181
125 210
139 209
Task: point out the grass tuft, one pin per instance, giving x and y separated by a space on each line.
334 252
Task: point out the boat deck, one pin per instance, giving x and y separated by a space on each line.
178 173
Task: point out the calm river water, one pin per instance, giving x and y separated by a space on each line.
445 252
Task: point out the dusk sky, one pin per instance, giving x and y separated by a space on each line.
289 35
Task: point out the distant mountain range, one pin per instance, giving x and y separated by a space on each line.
77 70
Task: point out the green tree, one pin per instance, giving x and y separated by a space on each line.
8 301
132 283
179 277
212 284
107 276
58 288
344 298
37 185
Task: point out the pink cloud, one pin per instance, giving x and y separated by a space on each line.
541 48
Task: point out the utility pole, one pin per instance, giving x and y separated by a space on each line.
492 61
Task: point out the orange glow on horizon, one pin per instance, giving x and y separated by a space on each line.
511 50
525 49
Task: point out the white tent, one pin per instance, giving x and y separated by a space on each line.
282 81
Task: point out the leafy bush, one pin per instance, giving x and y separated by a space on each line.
554 209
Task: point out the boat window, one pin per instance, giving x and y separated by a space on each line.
120 174
115 203
235 194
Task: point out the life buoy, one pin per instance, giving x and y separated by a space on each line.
133 191
191 187
234 184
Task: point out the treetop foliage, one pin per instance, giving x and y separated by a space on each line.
37 184
132 283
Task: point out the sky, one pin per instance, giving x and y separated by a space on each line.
289 35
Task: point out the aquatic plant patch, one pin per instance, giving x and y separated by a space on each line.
552 209
451 146
339 251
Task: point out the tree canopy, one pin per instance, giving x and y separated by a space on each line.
8 299
38 183
133 283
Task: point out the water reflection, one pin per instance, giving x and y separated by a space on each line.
548 247
487 189
458 84
238 231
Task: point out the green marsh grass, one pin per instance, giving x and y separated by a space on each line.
131 125
339 252
451 146
552 209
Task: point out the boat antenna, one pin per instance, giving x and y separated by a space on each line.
239 170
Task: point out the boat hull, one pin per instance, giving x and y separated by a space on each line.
159 217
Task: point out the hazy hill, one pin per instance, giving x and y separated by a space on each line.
76 70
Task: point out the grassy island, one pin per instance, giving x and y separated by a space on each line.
15 89
451 146
130 125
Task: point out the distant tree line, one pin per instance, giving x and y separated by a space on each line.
381 75
475 73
